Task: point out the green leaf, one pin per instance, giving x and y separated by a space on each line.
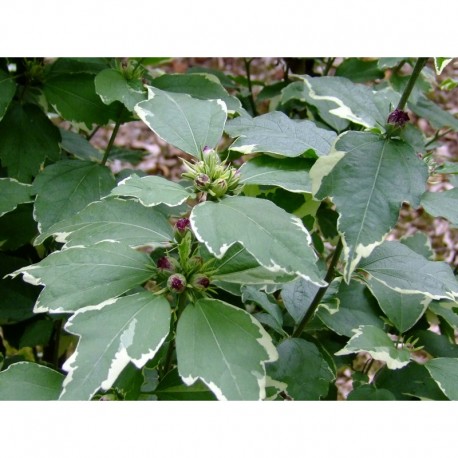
435 115
385 174
124 221
290 174
356 306
412 381
301 369
277 134
16 297
129 383
298 295
448 167
179 119
444 371
436 345
271 91
13 193
152 190
403 310
370 393
68 65
239 267
252 294
300 91
66 187
17 228
112 86
172 388
27 138
129 329
202 86
440 63
225 347
36 332
447 310
276 239
389 62
354 102
419 243
26 381
73 96
359 70
225 80
78 146
398 267
442 204
80 276
378 344
7 91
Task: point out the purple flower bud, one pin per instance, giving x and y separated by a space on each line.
207 150
398 118
182 225
166 263
176 283
201 181
200 282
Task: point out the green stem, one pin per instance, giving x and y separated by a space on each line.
181 303
436 136
320 293
328 65
421 62
250 87
399 66
92 133
112 139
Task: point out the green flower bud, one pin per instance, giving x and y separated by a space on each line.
202 181
219 187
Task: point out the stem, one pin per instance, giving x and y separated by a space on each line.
320 293
112 139
168 357
367 366
421 62
250 87
436 136
399 66
93 133
328 65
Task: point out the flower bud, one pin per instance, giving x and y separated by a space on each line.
195 262
167 264
202 181
200 282
207 150
182 226
219 187
176 283
398 118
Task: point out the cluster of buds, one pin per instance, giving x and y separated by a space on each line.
130 69
211 175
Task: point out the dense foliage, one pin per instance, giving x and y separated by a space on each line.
264 273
